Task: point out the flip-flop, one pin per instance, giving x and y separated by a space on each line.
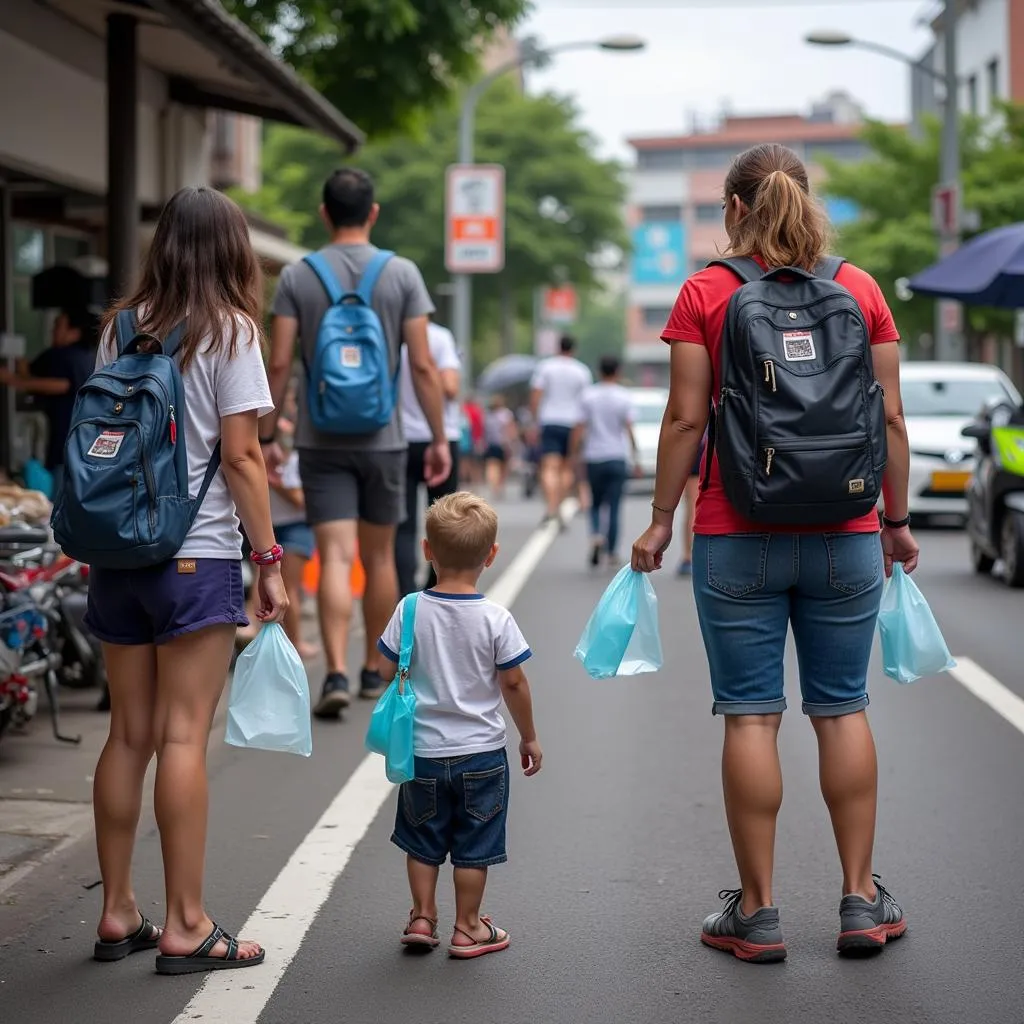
420 940
146 936
494 943
200 960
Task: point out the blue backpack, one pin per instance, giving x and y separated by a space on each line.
124 503
351 387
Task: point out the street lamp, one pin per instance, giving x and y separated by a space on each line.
948 337
530 54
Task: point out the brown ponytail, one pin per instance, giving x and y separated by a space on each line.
785 226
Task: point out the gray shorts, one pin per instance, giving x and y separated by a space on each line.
364 485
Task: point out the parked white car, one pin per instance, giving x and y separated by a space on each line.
939 400
648 410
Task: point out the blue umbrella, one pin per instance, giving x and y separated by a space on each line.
986 271
507 373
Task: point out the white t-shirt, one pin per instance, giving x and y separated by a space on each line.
607 413
446 356
562 381
216 386
282 511
461 642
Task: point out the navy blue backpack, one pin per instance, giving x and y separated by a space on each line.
351 387
125 502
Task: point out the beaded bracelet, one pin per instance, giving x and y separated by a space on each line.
271 557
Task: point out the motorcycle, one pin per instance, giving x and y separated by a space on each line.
995 494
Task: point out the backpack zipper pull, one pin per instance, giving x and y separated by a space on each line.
769 373
174 427
769 456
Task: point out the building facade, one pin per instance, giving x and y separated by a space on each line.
675 206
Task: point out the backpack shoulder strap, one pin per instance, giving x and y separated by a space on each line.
408 636
126 326
173 341
744 267
371 274
317 262
211 472
828 267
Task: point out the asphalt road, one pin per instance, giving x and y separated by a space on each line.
617 851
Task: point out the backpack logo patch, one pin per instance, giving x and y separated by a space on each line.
798 346
857 486
107 445
351 357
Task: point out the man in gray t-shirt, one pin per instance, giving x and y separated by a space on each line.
354 481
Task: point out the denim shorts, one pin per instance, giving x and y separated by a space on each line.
297 538
154 605
456 806
554 440
750 588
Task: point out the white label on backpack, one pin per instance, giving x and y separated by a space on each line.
107 445
351 357
797 346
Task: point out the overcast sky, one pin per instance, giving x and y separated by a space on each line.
704 55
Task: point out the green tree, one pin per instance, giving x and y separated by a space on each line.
894 237
563 203
383 62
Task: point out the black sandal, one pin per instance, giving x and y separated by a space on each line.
147 936
200 960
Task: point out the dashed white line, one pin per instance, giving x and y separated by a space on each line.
291 904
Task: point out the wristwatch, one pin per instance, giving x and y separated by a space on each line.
895 524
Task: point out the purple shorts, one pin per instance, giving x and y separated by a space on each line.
154 605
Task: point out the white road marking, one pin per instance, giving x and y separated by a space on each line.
1003 701
291 904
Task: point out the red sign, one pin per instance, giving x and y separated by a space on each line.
946 209
559 305
475 219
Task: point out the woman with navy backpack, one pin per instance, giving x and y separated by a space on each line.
800 355
168 628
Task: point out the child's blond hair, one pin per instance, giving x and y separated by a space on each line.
461 529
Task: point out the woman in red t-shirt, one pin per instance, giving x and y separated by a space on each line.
753 581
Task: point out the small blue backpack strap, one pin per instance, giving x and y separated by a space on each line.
172 342
317 262
126 326
408 635
371 275
211 472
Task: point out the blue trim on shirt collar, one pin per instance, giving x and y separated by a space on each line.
517 660
386 651
454 597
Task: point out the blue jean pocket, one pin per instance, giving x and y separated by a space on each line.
854 561
736 563
419 801
485 792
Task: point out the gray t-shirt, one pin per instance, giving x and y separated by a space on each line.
400 295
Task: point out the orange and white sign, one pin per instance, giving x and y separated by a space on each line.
475 219
559 305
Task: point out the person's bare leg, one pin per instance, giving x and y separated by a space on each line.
752 783
336 543
469 896
117 786
377 552
191 673
552 482
848 768
423 886
293 565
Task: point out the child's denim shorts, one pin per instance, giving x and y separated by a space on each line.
456 806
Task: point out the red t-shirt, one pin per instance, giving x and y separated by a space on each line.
698 318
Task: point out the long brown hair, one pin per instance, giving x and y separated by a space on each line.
785 225
201 266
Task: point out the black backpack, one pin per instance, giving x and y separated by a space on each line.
799 426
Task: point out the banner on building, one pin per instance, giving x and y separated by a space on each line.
659 253
475 219
840 211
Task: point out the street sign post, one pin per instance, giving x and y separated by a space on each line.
475 219
946 210
559 305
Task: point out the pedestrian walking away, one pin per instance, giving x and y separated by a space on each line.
467 656
605 438
417 435
168 626
815 409
499 435
555 392
351 307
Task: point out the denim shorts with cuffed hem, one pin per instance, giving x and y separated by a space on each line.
457 807
751 588
130 607
297 539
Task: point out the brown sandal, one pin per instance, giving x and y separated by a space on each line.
420 939
494 943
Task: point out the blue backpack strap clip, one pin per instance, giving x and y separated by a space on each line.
408 635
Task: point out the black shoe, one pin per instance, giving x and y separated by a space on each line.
371 685
595 552
333 697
